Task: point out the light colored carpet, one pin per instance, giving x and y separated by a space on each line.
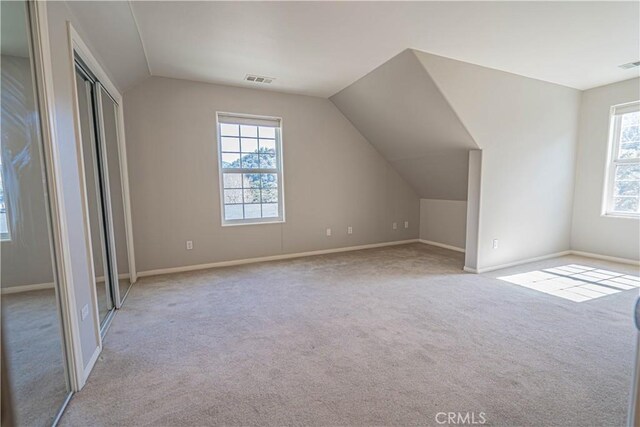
387 336
33 341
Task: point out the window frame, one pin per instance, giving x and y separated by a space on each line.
615 125
279 171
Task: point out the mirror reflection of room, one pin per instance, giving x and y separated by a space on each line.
32 341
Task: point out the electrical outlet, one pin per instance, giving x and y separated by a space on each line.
328 232
406 224
495 243
189 245
395 226
349 230
85 311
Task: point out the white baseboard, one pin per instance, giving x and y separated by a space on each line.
441 245
554 255
269 258
516 263
27 288
607 258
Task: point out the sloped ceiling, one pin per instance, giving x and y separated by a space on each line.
110 29
399 109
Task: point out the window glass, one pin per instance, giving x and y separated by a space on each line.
250 169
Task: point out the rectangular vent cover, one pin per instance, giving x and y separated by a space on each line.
629 65
258 79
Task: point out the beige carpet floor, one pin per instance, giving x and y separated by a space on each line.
388 336
35 360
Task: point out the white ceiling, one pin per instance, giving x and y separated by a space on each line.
318 48
114 37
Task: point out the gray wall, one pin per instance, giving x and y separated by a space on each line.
26 258
618 237
527 132
401 111
332 177
443 221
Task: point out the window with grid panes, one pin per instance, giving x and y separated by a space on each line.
623 180
250 158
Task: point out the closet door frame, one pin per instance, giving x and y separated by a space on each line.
80 50
43 77
101 189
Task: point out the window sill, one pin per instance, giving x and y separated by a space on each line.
236 224
617 215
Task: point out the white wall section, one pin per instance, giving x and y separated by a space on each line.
527 131
593 232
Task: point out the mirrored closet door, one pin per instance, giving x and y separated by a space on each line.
35 382
104 190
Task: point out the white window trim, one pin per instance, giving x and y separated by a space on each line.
280 171
612 162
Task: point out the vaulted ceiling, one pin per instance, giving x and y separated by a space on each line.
319 48
355 53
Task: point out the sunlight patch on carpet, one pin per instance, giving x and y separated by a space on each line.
575 282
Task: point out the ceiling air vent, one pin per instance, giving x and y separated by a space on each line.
258 79
629 65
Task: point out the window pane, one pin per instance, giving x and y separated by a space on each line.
230 144
229 130
4 227
250 161
629 150
625 204
230 160
251 131
627 188
267 132
267 145
233 212
268 161
629 136
269 180
270 210
232 196
249 145
252 195
251 180
270 195
252 211
627 172
630 119
232 180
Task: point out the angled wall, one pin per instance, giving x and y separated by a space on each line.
400 110
527 131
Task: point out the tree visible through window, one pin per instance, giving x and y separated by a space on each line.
623 195
250 169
